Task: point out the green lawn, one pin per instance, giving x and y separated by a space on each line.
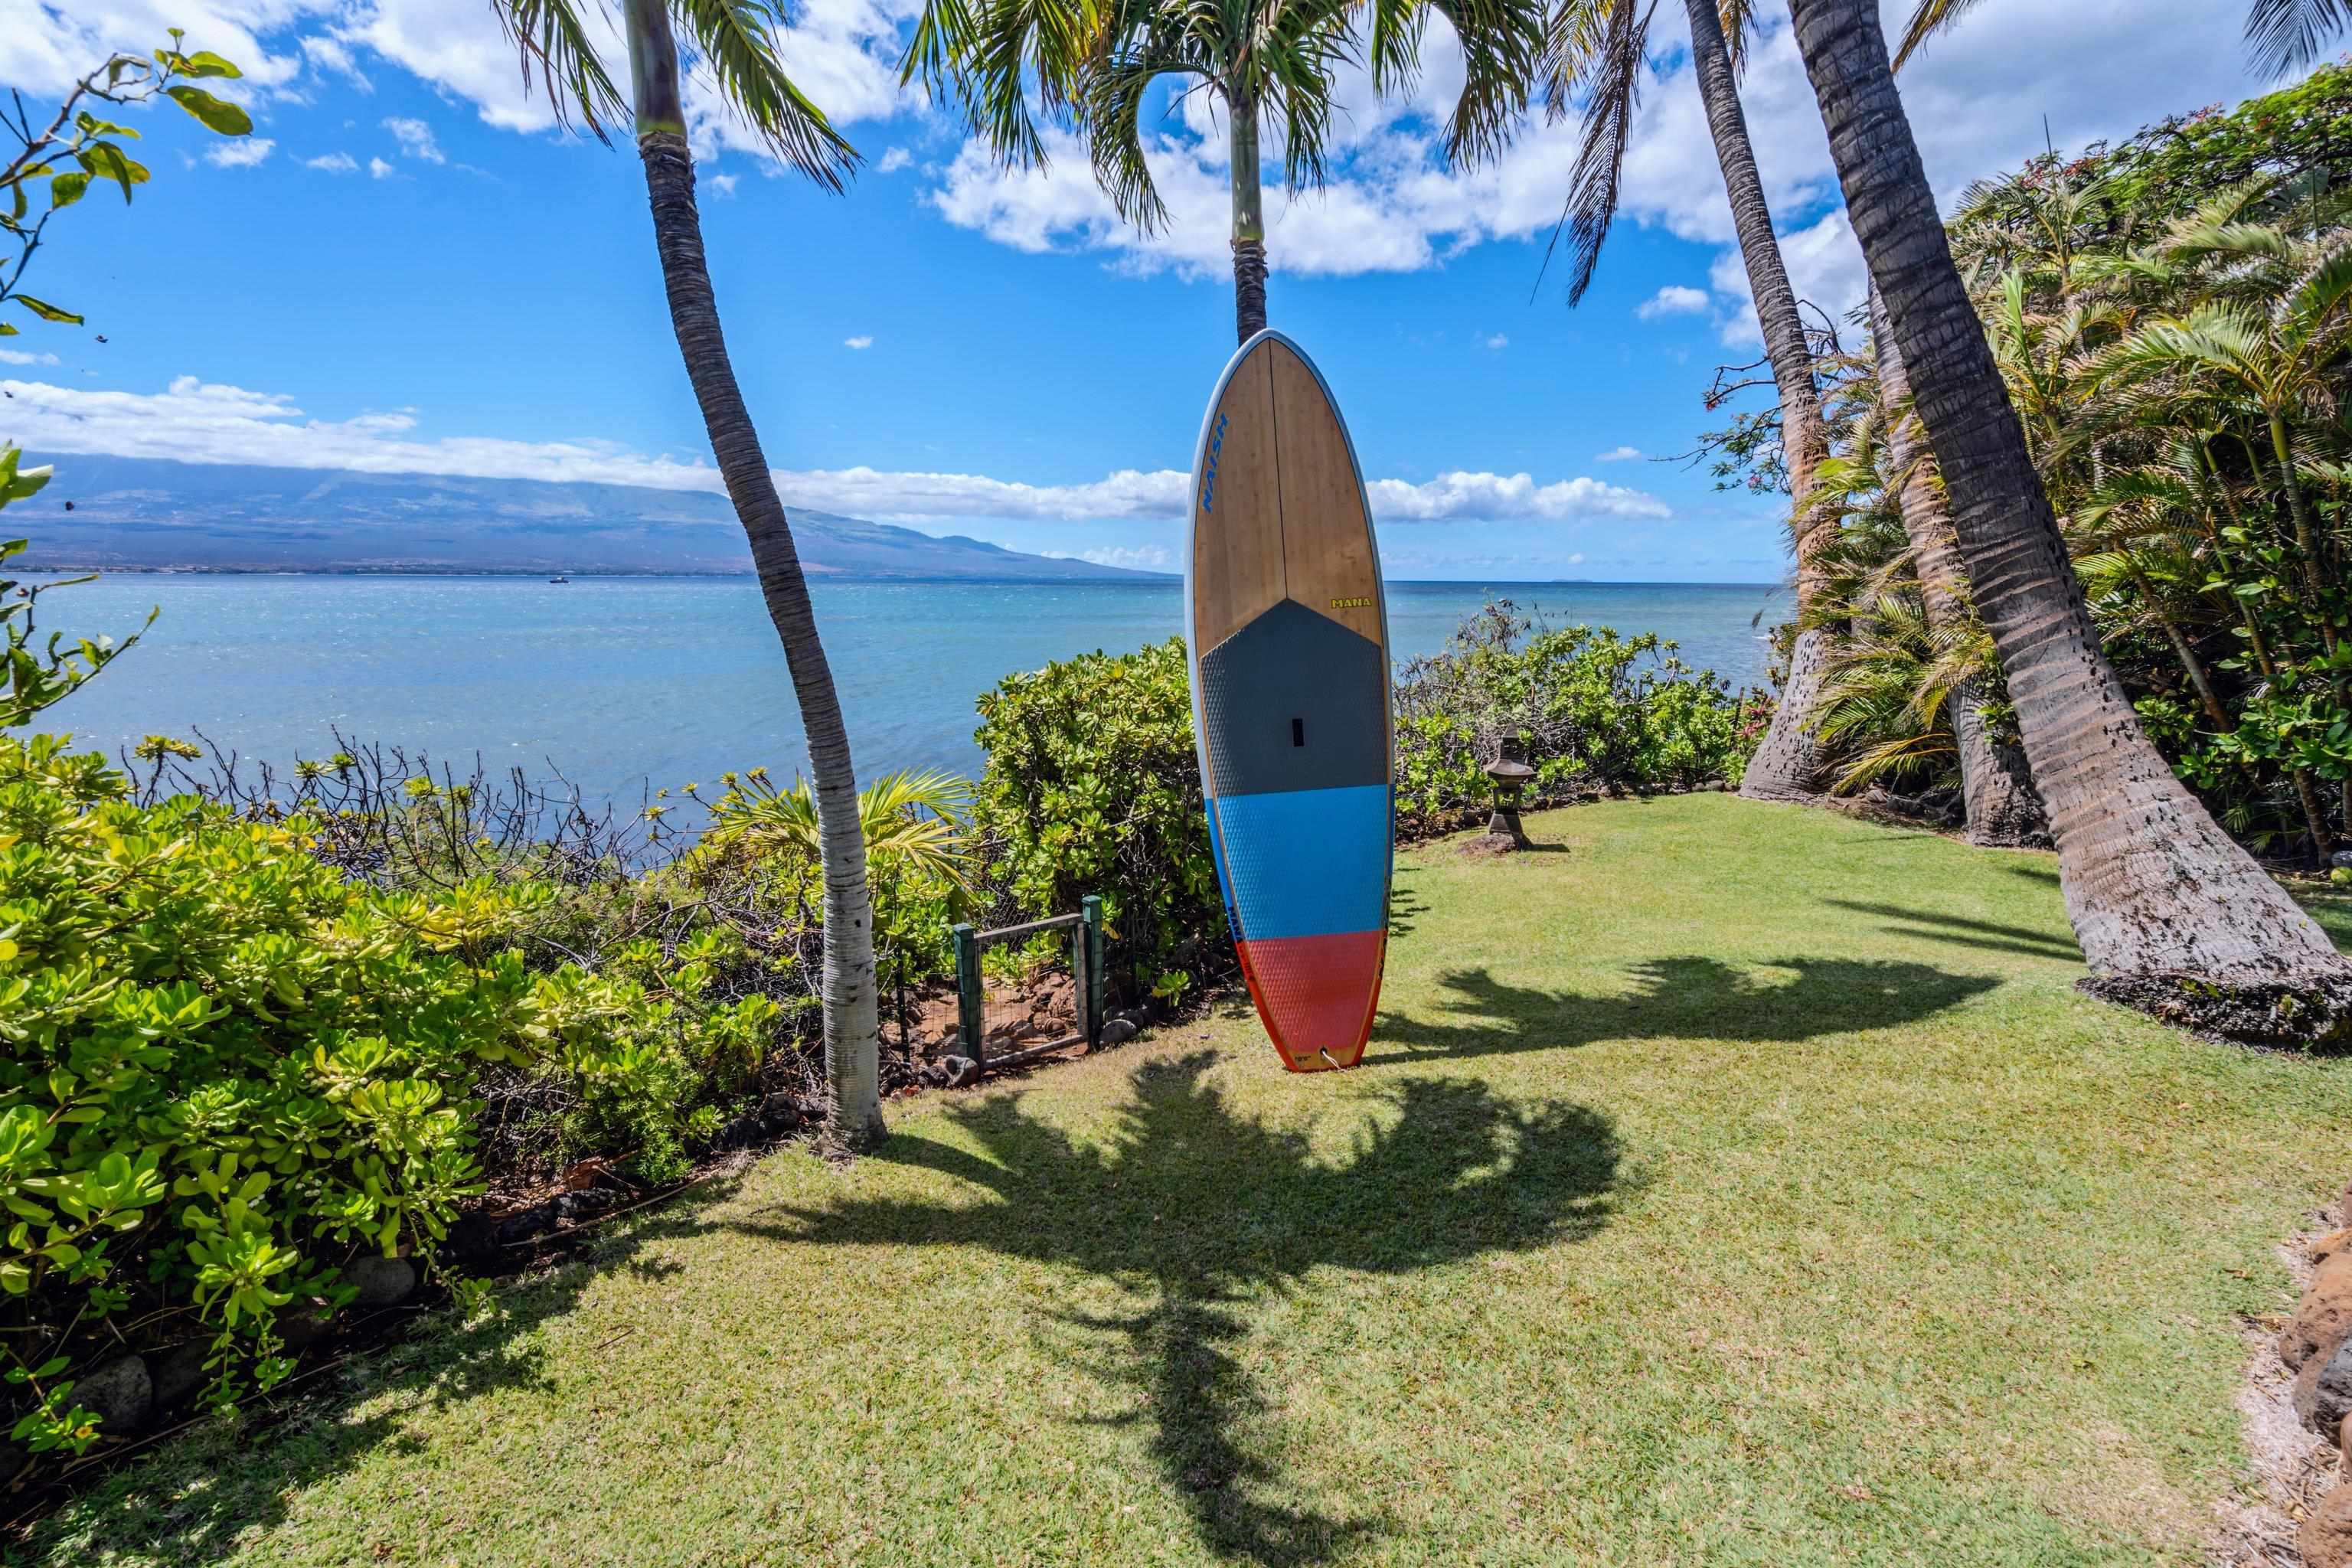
1734 1185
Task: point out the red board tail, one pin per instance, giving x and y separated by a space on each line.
1316 995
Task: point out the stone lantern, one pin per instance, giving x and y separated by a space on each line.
1510 782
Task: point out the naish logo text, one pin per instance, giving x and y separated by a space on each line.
1209 479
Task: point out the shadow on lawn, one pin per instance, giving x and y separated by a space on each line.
193 1499
1694 998
1935 926
1196 1209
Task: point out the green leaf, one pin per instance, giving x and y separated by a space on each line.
215 114
106 161
66 189
45 310
204 62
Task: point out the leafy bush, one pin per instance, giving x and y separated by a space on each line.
1587 709
1092 786
229 1070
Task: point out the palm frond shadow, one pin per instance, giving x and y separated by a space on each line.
1206 1216
1934 925
1687 998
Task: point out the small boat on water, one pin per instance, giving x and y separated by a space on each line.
558 579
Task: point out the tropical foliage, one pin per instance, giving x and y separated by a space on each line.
1591 712
2170 316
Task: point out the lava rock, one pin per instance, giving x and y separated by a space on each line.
1119 1031
179 1376
302 1329
380 1281
524 1224
573 1207
2325 1538
959 1071
741 1133
119 1392
779 1114
472 1241
2323 1392
2323 1317
2342 858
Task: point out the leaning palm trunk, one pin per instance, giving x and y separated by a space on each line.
850 1025
2173 916
1249 222
1995 788
1786 765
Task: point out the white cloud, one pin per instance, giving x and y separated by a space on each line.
2099 68
1619 455
725 183
1674 299
1577 559
1454 496
416 139
239 152
19 357
1135 557
197 420
892 161
333 164
378 169
332 57
1498 342
862 340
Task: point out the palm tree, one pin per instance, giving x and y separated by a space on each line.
735 41
1595 51
1999 802
1095 64
2173 916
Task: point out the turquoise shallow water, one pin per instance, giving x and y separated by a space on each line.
630 682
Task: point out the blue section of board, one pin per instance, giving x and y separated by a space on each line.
1308 862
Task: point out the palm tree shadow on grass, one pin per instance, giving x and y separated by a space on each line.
1199 1211
1691 997
194 1500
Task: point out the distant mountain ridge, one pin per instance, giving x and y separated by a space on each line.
147 513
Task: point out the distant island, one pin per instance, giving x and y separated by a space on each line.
149 514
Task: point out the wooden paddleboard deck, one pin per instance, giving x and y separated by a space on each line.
1287 632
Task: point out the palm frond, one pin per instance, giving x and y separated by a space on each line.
552 40
2287 35
738 42
1609 78
1931 17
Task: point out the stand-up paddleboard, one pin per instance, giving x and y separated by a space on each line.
1289 647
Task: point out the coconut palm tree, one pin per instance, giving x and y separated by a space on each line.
2173 916
1595 53
2000 802
1096 64
736 42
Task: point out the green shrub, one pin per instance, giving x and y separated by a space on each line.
1587 709
228 1070
1092 786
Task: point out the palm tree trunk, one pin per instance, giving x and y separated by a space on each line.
1786 765
2173 916
1996 788
851 1046
1249 221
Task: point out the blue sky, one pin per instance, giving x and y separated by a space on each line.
417 272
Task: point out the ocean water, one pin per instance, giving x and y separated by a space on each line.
623 684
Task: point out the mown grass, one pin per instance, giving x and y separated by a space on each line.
1729 1184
